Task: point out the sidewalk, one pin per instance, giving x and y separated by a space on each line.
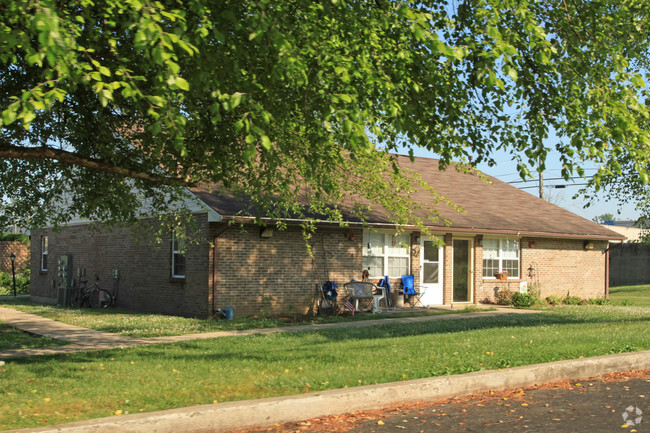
84 339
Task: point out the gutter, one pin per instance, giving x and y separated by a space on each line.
463 230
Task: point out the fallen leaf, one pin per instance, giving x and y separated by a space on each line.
380 422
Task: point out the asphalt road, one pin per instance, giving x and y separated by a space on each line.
613 403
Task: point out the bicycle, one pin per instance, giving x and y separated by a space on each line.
93 296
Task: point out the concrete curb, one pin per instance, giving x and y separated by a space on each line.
225 417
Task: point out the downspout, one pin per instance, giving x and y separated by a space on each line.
607 273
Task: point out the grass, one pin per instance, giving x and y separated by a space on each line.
12 338
143 325
630 295
56 389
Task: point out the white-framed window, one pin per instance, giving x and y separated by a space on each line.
178 256
500 255
386 253
44 252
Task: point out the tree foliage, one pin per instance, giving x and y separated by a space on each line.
108 105
602 219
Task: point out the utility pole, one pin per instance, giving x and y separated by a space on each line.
541 184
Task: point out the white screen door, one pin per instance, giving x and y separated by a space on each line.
431 272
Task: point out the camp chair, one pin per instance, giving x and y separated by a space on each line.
330 293
386 284
409 288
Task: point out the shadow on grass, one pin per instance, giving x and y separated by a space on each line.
368 337
641 290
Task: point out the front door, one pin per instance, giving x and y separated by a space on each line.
462 281
431 272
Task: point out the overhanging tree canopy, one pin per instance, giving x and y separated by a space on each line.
109 104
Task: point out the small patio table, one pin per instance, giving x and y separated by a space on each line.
365 290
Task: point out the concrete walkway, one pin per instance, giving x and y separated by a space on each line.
84 339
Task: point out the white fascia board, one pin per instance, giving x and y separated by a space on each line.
190 201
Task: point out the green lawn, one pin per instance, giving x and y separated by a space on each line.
144 325
56 389
12 338
630 295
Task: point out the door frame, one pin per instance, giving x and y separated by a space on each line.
470 269
441 268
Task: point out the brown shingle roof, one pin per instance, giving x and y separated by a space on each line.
494 207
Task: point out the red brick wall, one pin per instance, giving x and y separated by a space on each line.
145 282
273 275
19 249
269 276
561 266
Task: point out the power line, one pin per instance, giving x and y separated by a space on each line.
550 178
554 186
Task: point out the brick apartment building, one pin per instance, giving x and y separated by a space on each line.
266 271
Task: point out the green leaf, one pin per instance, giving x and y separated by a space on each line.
182 83
8 116
156 100
266 142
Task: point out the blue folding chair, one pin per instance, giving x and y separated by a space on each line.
409 288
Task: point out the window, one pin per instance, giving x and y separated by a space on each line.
178 257
430 262
500 255
386 254
44 250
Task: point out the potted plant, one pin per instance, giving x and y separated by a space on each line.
503 275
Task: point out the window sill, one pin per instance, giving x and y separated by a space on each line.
509 280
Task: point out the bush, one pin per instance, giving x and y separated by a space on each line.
553 300
521 300
504 296
535 292
572 300
12 237
599 301
7 283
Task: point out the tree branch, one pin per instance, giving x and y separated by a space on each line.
16 152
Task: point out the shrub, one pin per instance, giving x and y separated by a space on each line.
599 301
504 296
572 300
535 292
12 237
7 283
553 300
520 300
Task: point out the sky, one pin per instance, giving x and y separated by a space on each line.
506 171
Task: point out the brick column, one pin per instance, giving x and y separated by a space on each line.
448 283
478 269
